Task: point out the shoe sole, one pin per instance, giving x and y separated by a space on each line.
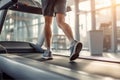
45 59
76 51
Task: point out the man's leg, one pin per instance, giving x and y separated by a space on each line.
48 11
64 26
76 46
47 30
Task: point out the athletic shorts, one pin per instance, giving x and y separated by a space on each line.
51 7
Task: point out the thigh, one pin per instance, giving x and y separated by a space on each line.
60 6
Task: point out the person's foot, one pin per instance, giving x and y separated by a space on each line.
47 55
75 50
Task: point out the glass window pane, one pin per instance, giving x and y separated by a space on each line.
21 26
118 1
101 17
118 27
102 3
103 22
85 6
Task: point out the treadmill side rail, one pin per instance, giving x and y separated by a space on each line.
5 4
2 19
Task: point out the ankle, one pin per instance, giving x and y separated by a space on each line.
73 42
48 49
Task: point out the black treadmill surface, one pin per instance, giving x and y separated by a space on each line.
80 69
89 66
57 60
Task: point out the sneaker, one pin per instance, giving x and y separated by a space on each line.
75 50
47 55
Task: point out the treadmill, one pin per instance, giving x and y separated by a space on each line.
21 60
27 6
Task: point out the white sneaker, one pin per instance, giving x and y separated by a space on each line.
47 55
75 50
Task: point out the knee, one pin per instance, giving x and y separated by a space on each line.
48 21
60 24
47 24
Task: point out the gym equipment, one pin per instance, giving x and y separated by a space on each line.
28 6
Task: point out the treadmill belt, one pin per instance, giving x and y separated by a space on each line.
90 66
57 60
